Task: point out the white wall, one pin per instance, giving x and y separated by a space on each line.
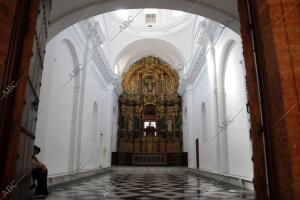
65 130
221 87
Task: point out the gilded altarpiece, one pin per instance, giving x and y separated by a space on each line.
150 119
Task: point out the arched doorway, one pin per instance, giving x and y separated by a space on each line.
269 113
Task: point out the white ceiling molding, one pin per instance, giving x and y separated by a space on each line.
93 29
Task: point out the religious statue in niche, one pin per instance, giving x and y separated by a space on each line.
149 85
170 125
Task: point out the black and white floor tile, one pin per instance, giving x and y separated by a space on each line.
147 183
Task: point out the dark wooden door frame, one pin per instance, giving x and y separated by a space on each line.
265 59
197 154
15 70
254 106
261 81
23 15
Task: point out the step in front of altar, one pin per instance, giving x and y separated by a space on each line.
177 159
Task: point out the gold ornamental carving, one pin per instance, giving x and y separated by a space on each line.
150 109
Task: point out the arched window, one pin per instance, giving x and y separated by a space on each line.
95 122
203 123
116 69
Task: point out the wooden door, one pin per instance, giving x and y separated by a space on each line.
22 70
197 153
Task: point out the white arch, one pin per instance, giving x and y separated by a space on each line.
95 121
228 46
203 123
81 90
185 129
148 47
74 131
67 12
235 100
114 129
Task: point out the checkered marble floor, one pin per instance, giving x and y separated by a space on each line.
147 183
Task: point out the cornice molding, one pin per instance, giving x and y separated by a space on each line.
207 36
195 68
93 30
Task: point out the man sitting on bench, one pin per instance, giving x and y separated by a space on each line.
39 173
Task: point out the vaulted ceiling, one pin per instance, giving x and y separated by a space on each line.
149 47
67 12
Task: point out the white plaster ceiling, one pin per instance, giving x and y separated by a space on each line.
138 27
148 47
67 12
